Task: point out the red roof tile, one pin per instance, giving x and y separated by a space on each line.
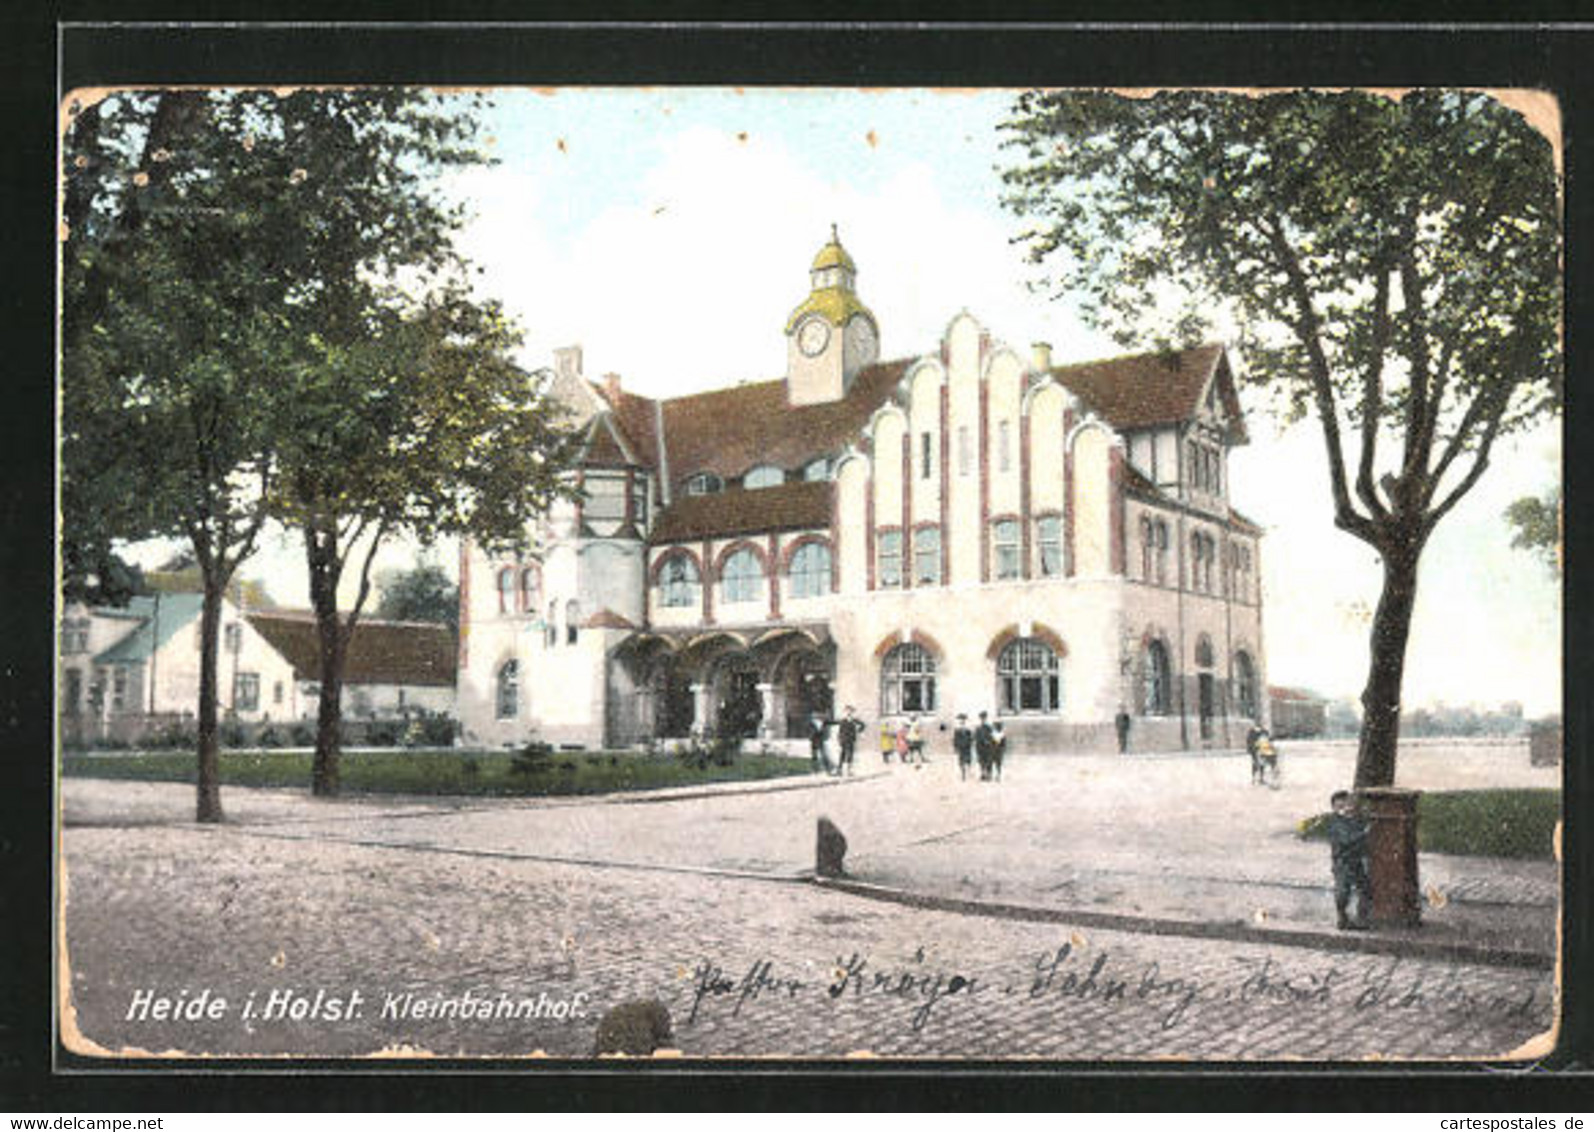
802 505
1141 390
380 652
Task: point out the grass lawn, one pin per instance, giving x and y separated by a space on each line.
444 771
1480 823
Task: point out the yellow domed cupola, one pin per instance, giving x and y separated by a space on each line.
831 335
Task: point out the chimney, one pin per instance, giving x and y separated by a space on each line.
611 388
1041 357
567 361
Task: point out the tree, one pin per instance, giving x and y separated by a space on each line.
402 412
171 307
1537 523
422 593
1394 264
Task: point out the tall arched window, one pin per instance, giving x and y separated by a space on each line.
530 589
1160 529
506 590
741 577
1245 686
1028 678
678 582
907 680
1154 679
810 570
1203 651
508 697
1148 549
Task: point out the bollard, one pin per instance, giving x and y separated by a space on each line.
830 850
1391 815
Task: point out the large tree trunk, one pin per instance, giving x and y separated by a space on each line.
1375 757
329 715
209 774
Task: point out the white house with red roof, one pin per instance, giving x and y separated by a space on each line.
972 529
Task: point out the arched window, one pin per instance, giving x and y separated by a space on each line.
741 577
1154 680
927 556
1148 549
530 589
817 469
1160 529
704 483
765 475
907 680
810 570
1245 686
678 582
1203 651
1028 678
1049 534
572 620
506 590
508 697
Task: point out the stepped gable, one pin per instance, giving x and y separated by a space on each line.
380 652
802 505
1143 390
727 431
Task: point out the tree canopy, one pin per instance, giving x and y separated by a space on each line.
1391 265
422 593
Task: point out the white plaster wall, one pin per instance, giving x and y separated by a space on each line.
1092 502
963 413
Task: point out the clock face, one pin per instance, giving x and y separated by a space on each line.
813 337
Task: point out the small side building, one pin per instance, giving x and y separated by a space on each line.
392 669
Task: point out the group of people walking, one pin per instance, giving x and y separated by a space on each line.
904 740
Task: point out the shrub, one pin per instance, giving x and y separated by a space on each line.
302 735
384 733
268 737
533 758
233 735
725 750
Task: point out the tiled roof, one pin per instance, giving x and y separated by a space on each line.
1141 390
728 431
1302 694
802 505
635 415
380 652
160 622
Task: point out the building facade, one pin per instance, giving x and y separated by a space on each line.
971 529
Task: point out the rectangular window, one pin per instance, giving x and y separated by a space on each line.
639 501
889 558
74 690
276 693
1006 548
605 500
233 636
246 692
1049 533
965 451
927 556
74 637
925 463
118 688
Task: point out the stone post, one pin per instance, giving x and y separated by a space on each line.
699 710
1391 815
766 701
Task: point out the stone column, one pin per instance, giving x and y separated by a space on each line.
700 692
766 699
1391 815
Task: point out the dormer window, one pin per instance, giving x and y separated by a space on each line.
704 483
765 475
817 470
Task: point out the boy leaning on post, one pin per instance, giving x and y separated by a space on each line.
1347 841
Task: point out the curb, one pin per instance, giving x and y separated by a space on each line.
1232 931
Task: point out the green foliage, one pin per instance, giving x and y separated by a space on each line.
423 593
1536 523
442 772
1477 823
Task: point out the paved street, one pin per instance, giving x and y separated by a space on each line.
511 925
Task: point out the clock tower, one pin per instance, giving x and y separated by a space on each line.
831 335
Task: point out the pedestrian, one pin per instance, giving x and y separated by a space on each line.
1253 738
1121 722
899 742
998 749
1268 754
916 740
888 741
1347 841
847 732
963 744
816 744
984 743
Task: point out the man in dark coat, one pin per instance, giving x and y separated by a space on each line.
1253 741
847 731
1121 722
1347 840
816 744
963 744
984 747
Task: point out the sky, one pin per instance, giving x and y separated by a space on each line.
668 232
